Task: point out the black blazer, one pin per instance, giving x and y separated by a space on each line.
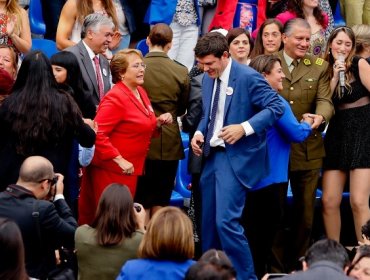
56 222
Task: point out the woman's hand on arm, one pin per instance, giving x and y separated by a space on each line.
67 20
93 124
126 166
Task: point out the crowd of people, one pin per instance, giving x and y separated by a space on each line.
91 142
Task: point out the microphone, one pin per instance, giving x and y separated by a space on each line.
342 78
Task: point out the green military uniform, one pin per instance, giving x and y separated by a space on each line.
308 92
167 85
307 89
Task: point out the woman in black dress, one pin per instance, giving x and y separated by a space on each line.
347 141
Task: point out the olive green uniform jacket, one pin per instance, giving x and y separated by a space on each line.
167 85
308 92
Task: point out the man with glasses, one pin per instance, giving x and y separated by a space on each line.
96 35
36 203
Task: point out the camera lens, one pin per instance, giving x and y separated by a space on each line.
137 207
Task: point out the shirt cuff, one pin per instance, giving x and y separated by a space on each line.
247 128
198 132
58 196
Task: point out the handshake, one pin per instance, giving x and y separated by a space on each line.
315 121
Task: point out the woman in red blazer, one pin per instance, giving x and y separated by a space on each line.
126 123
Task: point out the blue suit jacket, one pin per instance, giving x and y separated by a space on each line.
254 100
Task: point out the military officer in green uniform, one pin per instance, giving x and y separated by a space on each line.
306 88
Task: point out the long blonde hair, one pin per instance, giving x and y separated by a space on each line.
84 8
13 8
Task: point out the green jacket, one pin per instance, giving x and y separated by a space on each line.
167 85
308 92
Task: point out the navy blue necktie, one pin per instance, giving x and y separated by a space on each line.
207 147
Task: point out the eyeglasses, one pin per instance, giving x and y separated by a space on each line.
138 65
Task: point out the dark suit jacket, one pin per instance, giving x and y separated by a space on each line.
91 92
191 120
129 14
167 85
308 92
254 100
323 270
56 223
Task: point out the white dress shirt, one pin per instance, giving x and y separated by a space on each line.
219 122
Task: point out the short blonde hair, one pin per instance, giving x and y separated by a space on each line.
119 63
169 236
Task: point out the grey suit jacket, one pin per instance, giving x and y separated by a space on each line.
91 92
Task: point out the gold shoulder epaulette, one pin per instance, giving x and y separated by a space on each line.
319 61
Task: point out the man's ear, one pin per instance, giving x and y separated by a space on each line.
168 47
264 74
345 269
147 41
89 34
304 265
284 37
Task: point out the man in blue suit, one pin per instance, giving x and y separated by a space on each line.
238 106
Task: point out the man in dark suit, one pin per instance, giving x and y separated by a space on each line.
54 225
324 260
306 88
238 106
96 34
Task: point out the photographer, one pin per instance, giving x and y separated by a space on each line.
36 203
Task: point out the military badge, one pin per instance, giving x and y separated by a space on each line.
306 61
319 61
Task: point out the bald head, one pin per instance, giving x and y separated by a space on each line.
34 169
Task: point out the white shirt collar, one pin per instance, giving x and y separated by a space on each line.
90 51
288 59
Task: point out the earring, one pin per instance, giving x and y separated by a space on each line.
122 77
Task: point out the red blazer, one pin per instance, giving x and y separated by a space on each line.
125 128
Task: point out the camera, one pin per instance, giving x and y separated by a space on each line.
53 187
137 207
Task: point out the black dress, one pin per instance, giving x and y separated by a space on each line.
347 141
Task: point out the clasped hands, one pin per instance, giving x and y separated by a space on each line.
230 134
312 119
